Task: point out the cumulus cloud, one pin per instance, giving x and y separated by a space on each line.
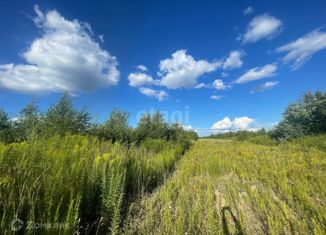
65 57
263 26
158 94
216 97
234 60
249 10
140 79
226 124
142 67
265 86
302 49
219 85
183 71
258 73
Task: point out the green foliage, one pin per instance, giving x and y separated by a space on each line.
260 137
154 127
4 120
116 128
305 117
77 181
222 186
28 123
62 118
6 128
151 126
178 135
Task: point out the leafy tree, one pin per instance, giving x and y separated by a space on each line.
159 128
181 136
29 122
151 126
4 120
62 118
116 128
305 117
6 129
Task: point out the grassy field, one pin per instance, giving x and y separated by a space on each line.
75 183
229 187
82 184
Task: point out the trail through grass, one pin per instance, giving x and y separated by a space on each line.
228 187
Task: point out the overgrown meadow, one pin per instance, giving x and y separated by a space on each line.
77 183
60 173
233 187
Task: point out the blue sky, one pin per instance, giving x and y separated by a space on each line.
212 65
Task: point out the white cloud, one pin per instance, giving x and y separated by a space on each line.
202 85
226 124
249 10
142 67
158 94
242 123
182 71
302 49
263 26
258 73
140 79
187 127
219 85
223 124
265 86
234 60
216 97
65 57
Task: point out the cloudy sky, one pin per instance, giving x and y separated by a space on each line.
214 66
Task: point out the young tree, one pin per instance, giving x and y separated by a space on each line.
116 128
4 120
159 128
6 129
29 121
152 126
62 118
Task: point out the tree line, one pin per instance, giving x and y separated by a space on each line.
62 118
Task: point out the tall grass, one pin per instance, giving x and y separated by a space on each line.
76 183
230 187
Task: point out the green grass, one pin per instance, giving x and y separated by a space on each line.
77 181
217 187
229 187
